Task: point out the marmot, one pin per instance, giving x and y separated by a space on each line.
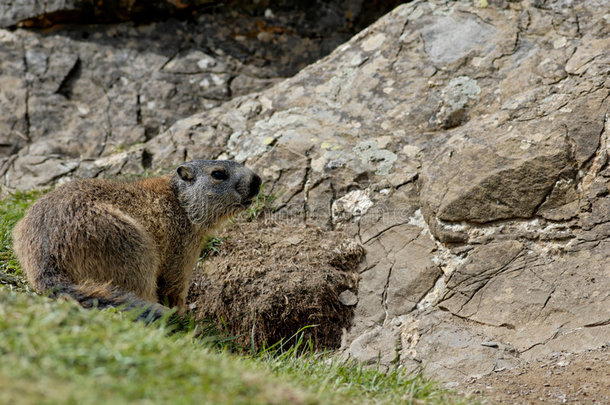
109 243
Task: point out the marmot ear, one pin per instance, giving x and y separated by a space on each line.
185 173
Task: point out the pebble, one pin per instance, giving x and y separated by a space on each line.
348 298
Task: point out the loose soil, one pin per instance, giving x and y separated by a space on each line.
582 378
268 279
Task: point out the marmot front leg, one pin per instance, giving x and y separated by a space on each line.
172 289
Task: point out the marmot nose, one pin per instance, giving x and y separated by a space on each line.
255 185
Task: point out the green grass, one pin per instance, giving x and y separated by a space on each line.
56 352
349 380
262 203
12 209
211 245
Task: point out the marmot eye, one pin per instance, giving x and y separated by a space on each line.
220 175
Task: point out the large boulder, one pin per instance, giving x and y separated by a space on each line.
466 148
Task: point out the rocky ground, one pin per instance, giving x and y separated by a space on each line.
582 378
267 277
464 145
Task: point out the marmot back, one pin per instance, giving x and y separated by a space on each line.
109 243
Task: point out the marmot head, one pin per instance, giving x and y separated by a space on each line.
212 190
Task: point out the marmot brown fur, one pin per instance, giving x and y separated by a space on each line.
109 243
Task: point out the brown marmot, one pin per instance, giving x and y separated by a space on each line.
133 244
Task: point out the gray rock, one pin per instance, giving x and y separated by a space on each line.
449 38
348 298
371 347
490 344
483 264
481 183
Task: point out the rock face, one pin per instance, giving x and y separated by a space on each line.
466 148
88 91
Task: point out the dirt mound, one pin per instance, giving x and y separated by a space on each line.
267 279
582 378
